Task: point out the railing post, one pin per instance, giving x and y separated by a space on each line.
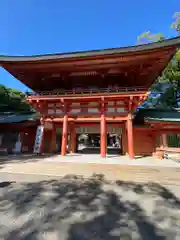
112 89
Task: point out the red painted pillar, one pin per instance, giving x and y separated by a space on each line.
103 133
130 137
64 135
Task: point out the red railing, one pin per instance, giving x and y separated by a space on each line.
88 91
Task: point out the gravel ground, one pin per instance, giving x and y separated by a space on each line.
74 208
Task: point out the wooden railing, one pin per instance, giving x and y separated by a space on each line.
88 91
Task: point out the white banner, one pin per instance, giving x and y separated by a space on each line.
38 140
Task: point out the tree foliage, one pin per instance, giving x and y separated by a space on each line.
166 90
13 100
147 37
176 23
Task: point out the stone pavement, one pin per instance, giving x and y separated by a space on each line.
113 159
43 199
49 166
86 209
92 158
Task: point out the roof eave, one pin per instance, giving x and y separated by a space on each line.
173 42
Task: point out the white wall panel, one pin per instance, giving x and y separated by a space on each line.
75 111
51 111
121 110
59 111
93 110
110 110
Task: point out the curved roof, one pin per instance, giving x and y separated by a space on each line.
109 51
18 118
134 66
91 53
157 115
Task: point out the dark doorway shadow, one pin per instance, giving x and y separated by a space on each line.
89 150
114 151
96 150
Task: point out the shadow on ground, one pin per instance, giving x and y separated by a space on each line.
74 208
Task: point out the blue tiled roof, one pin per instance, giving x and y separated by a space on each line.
17 118
157 115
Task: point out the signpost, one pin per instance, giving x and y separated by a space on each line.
38 140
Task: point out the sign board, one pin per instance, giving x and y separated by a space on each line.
38 140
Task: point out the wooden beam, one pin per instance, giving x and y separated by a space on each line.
90 119
84 97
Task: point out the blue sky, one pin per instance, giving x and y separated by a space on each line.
30 27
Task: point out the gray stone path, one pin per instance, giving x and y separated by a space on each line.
93 159
74 208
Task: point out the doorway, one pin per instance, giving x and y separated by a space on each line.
88 140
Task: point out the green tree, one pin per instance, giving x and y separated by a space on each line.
13 100
147 37
176 23
169 82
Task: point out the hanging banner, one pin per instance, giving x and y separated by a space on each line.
38 140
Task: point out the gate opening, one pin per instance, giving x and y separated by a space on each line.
88 140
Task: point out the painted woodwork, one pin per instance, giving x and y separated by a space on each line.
130 137
146 64
64 135
113 108
100 87
103 131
